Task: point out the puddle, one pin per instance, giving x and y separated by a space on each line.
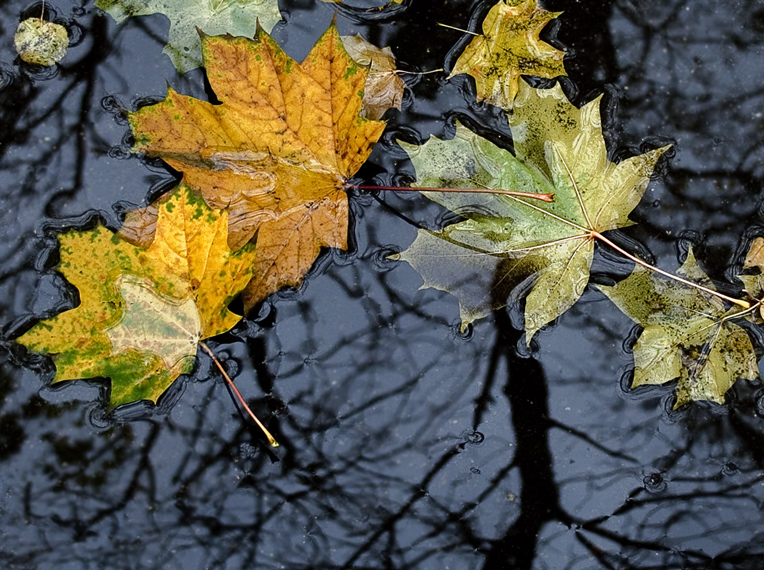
404 443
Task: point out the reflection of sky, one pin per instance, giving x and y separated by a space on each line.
369 388
692 71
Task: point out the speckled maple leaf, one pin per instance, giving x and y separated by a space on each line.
143 311
510 47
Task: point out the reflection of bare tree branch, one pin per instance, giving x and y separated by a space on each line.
404 444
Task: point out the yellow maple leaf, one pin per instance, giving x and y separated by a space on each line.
510 47
276 152
144 310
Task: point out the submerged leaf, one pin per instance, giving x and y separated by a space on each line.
236 17
688 334
142 310
511 244
384 87
276 153
510 47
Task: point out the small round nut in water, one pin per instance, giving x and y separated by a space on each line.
40 42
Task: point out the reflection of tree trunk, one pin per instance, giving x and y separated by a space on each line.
527 393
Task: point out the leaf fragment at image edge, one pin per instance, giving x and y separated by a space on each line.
688 335
213 16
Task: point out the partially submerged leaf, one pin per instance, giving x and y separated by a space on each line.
236 17
41 42
506 244
384 87
688 334
143 311
754 284
276 153
510 47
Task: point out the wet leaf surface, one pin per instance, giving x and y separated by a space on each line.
235 17
510 47
688 335
143 311
276 152
384 87
41 42
508 243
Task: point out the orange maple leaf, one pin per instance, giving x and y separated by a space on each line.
277 152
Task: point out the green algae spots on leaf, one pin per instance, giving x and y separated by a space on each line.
143 310
511 246
510 47
688 335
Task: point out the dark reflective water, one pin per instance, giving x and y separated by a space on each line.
404 444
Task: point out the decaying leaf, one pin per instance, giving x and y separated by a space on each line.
508 245
143 311
384 87
236 17
41 42
276 153
754 284
510 47
688 334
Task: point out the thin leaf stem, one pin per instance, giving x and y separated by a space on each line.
458 29
599 236
751 309
530 195
403 72
271 439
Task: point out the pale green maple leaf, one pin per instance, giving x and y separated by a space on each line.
213 17
510 246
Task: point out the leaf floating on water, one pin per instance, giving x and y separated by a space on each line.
510 47
235 17
688 335
276 152
143 311
754 284
511 246
41 42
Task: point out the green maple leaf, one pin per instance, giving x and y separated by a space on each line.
143 311
235 17
688 334
509 244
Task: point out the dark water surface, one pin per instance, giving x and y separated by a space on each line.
404 445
